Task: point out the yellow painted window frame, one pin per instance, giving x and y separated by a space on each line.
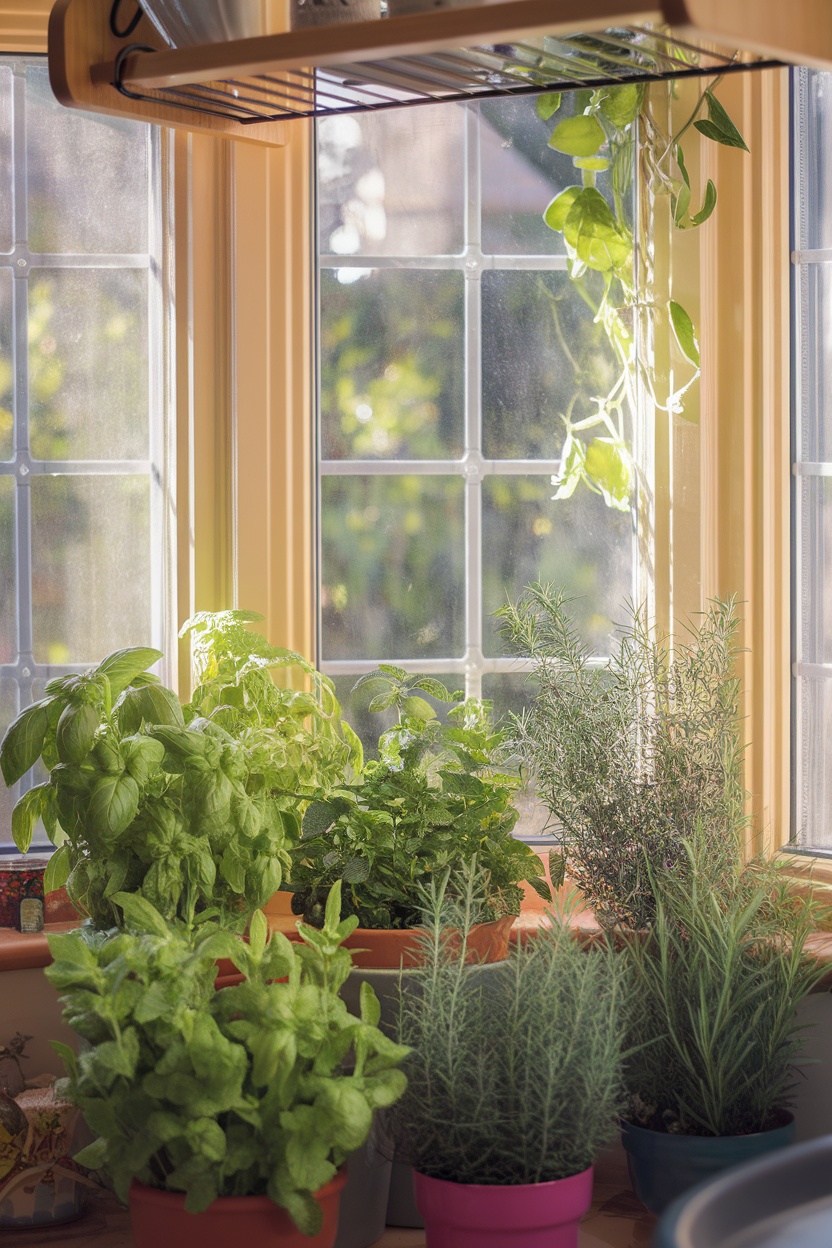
239 269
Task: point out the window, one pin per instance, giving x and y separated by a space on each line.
82 439
812 458
450 341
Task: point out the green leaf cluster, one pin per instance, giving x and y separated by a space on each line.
635 758
260 1088
195 807
718 981
595 219
436 800
515 1071
234 671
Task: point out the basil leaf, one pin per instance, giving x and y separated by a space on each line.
75 733
57 870
122 666
113 806
26 814
22 744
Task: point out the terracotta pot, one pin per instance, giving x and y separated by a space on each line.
525 1215
159 1220
390 948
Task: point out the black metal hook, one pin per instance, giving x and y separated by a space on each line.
131 25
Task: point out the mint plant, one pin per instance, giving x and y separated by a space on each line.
437 799
261 1088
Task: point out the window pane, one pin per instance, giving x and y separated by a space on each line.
577 543
814 200
6 159
815 287
8 581
392 183
6 366
392 567
86 175
88 365
92 574
542 356
392 368
814 807
816 556
520 175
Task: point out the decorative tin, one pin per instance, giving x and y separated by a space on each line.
21 892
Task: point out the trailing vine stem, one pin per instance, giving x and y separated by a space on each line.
595 220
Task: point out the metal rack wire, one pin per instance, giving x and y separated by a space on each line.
632 54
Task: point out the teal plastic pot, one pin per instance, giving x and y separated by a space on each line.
663 1166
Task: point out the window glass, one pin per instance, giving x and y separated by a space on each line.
82 459
812 467
451 344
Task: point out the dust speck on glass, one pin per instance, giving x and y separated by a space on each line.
451 341
812 460
81 432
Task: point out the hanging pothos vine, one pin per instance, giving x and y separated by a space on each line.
598 234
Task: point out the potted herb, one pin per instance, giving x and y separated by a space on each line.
194 807
438 798
718 980
635 757
224 1116
514 1083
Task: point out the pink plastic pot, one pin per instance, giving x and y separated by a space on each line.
532 1215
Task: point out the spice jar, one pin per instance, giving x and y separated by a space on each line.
21 892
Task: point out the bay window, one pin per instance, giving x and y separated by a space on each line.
431 257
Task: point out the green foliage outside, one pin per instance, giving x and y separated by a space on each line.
635 758
436 800
515 1072
718 981
261 1088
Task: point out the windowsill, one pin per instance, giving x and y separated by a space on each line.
616 1220
20 952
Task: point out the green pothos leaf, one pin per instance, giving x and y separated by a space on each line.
578 136
609 467
548 104
684 331
719 127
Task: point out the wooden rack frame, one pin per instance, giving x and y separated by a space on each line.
246 88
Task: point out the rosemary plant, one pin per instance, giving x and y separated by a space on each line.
515 1074
635 758
718 982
